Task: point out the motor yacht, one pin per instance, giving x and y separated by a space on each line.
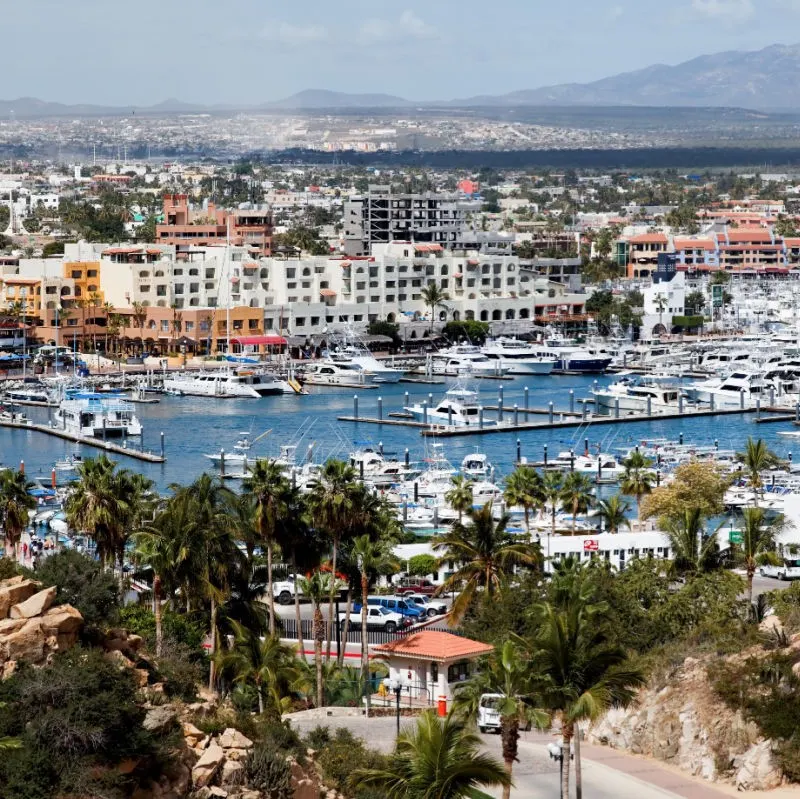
458 408
335 373
227 384
476 466
634 394
731 391
97 416
518 357
464 361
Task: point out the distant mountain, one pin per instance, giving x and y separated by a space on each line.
321 98
761 79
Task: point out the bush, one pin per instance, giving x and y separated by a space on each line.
344 755
267 771
8 568
180 671
82 583
318 737
177 627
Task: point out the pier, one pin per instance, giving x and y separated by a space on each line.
108 446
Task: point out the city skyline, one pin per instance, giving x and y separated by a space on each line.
249 54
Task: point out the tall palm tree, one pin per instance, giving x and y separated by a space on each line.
524 489
317 588
139 319
15 502
371 556
486 554
265 663
692 550
334 504
582 672
637 480
270 489
460 496
756 458
507 674
577 495
612 512
758 538
552 489
436 759
434 297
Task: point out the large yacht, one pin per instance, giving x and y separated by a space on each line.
458 408
464 361
730 391
97 416
227 384
518 357
631 393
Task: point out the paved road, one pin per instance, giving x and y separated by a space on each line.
607 774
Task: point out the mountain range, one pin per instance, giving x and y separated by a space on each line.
767 79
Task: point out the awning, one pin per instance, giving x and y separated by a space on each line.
255 341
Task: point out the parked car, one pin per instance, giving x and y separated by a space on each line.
789 569
416 585
378 618
396 604
432 607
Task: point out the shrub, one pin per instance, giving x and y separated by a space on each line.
8 568
318 737
267 771
344 755
82 583
180 671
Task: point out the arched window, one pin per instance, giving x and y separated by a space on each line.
470 315
510 313
497 316
524 313
484 316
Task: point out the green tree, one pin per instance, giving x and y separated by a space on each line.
506 673
421 565
552 489
434 297
264 663
694 303
460 495
758 538
524 489
637 480
469 329
756 458
577 495
583 673
694 484
612 513
486 554
692 550
15 502
438 758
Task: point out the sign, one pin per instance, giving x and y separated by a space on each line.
717 293
735 537
591 545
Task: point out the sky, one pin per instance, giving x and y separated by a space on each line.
114 52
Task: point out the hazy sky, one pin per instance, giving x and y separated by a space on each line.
248 51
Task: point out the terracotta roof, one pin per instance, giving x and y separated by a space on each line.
434 645
792 242
694 244
428 248
649 238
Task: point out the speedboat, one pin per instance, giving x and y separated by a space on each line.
518 357
458 408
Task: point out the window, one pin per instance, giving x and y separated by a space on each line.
177 272
300 321
314 321
179 288
458 672
77 274
91 273
165 325
189 326
252 324
161 291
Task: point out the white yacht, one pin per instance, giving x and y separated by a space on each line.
30 395
464 361
97 416
601 466
518 357
241 454
374 370
335 373
728 391
634 394
227 384
476 466
373 467
458 408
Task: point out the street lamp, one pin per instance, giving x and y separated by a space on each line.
396 687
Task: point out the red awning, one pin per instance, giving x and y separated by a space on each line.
255 341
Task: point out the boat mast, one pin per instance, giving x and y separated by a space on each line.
230 284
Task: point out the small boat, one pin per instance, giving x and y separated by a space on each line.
68 464
476 466
241 454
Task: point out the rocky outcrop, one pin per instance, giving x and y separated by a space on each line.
687 725
30 629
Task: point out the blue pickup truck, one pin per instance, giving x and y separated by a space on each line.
396 604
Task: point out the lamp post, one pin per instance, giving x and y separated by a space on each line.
396 687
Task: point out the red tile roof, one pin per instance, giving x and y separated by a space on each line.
434 645
649 238
694 244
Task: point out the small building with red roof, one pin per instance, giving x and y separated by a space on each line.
430 663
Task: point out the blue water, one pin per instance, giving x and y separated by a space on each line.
195 426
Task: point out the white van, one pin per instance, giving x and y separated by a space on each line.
489 714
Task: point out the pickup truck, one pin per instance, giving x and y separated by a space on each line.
378 618
788 570
416 585
397 605
432 607
284 590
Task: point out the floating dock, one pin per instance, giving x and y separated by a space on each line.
108 446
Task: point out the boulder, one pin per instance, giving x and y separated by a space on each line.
191 734
218 792
159 719
207 766
11 625
118 659
35 605
62 620
236 754
233 774
233 739
14 591
27 643
756 770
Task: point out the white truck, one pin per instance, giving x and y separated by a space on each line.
285 590
378 618
788 569
489 719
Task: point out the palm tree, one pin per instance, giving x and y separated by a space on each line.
692 550
334 504
758 538
486 555
524 489
460 496
15 502
371 556
637 481
552 488
177 321
139 319
661 305
208 322
612 512
437 758
582 672
434 297
269 488
265 663
317 588
756 458
577 494
507 674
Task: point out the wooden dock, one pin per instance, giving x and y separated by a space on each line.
108 446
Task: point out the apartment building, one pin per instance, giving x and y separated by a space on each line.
381 217
248 226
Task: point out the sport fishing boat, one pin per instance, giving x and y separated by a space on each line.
518 357
458 408
633 393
